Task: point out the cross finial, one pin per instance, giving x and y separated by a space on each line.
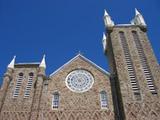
79 52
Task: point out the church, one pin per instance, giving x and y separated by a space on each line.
81 90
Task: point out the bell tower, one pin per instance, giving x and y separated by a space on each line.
135 73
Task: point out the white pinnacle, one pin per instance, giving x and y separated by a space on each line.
137 12
139 20
43 63
104 36
11 65
104 42
105 13
107 20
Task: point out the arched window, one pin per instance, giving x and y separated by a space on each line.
29 85
103 99
55 100
18 85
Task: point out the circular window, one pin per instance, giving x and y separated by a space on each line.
79 81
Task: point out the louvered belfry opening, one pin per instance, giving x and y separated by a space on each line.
29 85
145 66
130 67
18 85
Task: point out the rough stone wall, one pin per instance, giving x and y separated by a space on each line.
76 106
145 108
18 108
73 106
76 115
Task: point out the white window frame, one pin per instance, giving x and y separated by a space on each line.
55 106
104 102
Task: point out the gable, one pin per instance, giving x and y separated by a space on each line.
81 57
79 83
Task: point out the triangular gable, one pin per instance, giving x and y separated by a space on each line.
85 59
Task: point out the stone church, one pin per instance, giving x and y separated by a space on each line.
81 90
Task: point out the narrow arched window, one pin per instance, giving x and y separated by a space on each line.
29 85
55 100
103 99
18 85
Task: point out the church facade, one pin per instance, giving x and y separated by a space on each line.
81 90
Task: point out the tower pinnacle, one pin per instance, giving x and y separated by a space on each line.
136 12
138 20
104 42
43 63
11 64
107 20
105 13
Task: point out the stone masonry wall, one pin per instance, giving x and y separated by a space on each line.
18 108
143 109
77 106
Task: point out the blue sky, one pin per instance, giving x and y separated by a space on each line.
62 28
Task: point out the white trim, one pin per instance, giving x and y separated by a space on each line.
84 58
29 63
125 25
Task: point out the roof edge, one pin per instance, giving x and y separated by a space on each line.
84 58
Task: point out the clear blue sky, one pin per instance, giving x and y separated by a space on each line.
61 28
